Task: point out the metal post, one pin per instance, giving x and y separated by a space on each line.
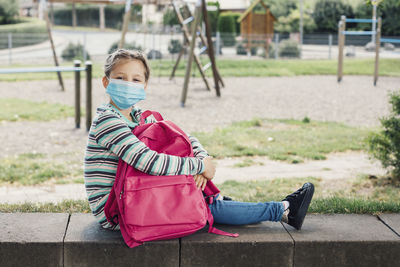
218 43
84 47
301 27
330 46
10 48
341 41
77 64
276 45
88 65
377 47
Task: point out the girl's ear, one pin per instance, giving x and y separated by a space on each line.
105 81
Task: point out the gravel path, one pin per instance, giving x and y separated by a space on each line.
355 102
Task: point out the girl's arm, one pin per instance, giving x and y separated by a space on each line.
112 133
198 150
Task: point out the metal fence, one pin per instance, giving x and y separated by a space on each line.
165 42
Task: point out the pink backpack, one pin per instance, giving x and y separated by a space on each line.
149 207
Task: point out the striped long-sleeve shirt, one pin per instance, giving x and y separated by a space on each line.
110 138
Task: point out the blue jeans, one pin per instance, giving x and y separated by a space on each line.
239 213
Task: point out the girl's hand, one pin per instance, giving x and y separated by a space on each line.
201 181
209 168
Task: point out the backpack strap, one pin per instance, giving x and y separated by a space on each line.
148 113
212 229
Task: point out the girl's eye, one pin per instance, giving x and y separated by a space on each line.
136 80
119 78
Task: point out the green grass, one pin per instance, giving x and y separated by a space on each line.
247 163
325 201
239 68
13 109
32 169
288 140
66 206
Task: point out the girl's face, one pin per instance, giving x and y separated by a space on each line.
131 70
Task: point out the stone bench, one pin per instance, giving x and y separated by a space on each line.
51 239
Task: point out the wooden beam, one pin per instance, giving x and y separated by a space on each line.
197 14
377 47
46 17
127 17
211 49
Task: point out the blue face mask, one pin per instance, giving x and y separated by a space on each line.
125 94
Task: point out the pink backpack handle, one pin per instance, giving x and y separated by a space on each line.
148 113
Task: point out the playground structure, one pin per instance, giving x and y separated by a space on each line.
190 41
77 69
257 27
378 40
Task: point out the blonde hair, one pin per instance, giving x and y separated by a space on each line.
121 54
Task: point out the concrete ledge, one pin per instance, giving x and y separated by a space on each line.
32 239
345 240
87 244
46 239
264 244
392 221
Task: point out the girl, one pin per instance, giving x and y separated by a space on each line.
110 137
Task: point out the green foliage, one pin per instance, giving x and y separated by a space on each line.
213 16
306 120
8 11
227 28
389 10
291 23
241 50
13 109
289 48
281 8
170 18
327 13
385 145
74 51
174 46
131 46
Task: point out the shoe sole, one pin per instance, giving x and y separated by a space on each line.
298 220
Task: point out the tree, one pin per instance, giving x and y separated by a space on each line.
213 16
227 28
389 10
281 8
8 11
327 13
385 145
291 23
170 18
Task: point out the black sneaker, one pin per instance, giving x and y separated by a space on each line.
226 198
299 202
